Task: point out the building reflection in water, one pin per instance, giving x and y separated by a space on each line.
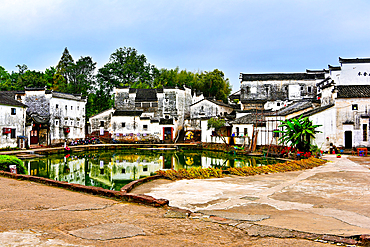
112 170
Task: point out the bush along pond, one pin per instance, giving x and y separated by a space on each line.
114 169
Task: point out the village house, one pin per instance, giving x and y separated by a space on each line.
203 110
145 114
52 117
277 89
337 98
12 122
345 98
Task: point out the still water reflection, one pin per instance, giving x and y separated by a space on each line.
114 169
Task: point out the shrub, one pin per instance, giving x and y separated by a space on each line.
6 160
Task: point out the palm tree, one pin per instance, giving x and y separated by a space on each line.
297 133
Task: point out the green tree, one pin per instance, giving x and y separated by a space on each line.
126 68
97 102
81 75
65 61
49 76
174 77
4 79
214 84
297 132
217 124
31 79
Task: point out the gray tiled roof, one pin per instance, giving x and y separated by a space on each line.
214 102
282 76
127 113
354 60
66 96
317 110
359 91
145 95
5 99
248 119
294 107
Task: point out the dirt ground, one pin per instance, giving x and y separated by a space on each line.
33 214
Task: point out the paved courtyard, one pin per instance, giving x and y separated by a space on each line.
263 210
330 199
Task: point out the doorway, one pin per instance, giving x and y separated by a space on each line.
167 134
348 139
34 136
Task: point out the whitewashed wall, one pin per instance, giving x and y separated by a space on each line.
16 122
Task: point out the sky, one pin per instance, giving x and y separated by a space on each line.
234 36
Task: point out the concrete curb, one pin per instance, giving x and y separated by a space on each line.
117 195
130 186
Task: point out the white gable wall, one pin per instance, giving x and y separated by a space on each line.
16 122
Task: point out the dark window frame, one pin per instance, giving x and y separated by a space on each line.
13 133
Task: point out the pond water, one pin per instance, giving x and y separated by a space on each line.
113 169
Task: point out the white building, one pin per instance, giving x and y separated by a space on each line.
144 114
12 122
52 117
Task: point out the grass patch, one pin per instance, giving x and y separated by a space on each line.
7 160
200 173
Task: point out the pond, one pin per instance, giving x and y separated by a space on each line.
113 169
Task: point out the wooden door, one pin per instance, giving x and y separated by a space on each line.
34 136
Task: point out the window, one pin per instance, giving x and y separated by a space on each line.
56 106
248 90
13 111
56 122
123 125
167 117
278 104
78 108
78 124
309 89
71 107
12 133
354 107
245 132
145 168
154 104
66 107
145 127
237 131
123 170
138 104
302 88
101 123
364 132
